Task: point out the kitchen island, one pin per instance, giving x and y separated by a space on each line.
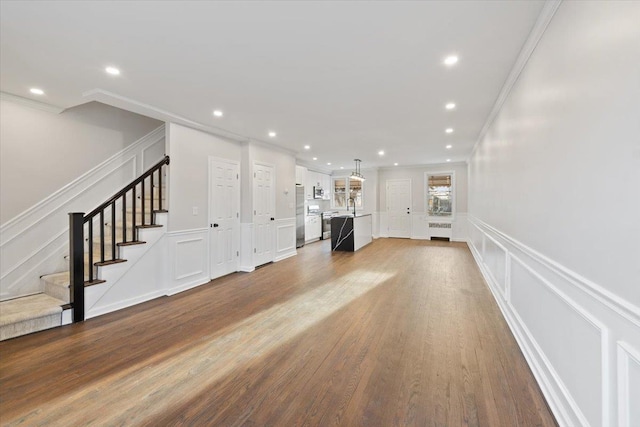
349 233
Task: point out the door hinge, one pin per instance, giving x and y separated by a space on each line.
254 174
237 214
237 253
254 211
254 250
237 176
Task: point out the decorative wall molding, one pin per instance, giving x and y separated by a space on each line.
24 255
547 310
246 247
549 9
285 238
628 380
189 259
31 103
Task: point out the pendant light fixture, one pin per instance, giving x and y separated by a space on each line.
356 175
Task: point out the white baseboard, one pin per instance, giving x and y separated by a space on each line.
567 330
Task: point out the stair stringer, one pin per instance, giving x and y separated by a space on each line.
141 278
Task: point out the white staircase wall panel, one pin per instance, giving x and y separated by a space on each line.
126 283
35 242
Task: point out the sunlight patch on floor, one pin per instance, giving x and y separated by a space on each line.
145 390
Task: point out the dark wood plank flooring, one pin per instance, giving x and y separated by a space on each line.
402 332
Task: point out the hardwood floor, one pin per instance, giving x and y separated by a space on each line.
403 332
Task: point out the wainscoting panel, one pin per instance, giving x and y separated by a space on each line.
419 226
188 259
285 238
628 386
580 341
495 257
384 224
246 247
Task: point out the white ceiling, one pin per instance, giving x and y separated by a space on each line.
347 78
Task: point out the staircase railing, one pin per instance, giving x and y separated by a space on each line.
136 190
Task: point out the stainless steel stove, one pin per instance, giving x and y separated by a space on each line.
326 224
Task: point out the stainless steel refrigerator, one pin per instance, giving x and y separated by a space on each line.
299 216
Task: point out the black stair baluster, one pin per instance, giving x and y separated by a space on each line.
113 230
101 238
124 218
153 220
160 188
90 250
134 236
143 202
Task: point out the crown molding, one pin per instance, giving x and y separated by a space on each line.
134 106
31 103
546 15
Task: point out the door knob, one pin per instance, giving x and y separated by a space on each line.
273 219
215 225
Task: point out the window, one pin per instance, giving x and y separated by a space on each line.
346 192
440 194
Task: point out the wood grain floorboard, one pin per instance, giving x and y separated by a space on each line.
401 333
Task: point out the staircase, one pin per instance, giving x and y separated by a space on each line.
105 233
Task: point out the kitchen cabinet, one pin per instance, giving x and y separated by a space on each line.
312 228
326 184
301 175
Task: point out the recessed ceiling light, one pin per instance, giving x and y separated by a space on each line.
113 71
381 153
328 163
315 158
449 130
448 147
395 164
448 160
341 167
450 106
450 60
307 147
218 113
272 134
36 91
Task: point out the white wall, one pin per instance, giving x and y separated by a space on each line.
189 150
555 212
41 151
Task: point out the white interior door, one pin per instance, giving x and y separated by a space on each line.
224 216
264 202
399 207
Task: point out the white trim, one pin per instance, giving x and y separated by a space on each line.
625 354
187 232
132 105
546 14
119 305
38 105
614 302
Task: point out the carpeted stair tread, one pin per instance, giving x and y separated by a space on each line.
30 307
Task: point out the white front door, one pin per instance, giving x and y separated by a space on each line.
264 201
399 207
224 216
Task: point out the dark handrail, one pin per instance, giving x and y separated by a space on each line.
77 221
121 193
